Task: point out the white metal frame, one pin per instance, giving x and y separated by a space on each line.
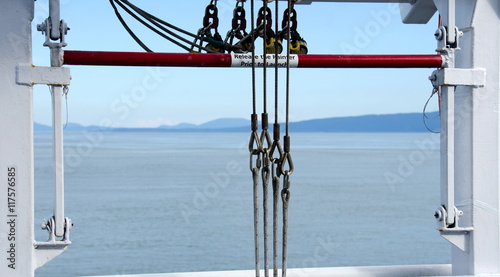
468 215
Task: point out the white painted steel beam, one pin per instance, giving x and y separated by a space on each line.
55 19
419 12
30 75
474 175
58 160
16 144
448 153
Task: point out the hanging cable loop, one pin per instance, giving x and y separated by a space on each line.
287 166
278 150
426 117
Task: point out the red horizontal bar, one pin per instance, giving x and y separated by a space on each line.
244 60
146 59
371 61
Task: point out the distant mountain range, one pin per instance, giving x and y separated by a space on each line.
403 122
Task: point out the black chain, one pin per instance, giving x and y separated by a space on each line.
211 23
239 25
289 24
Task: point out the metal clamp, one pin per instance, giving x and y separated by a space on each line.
458 236
475 77
46 28
30 75
48 250
52 242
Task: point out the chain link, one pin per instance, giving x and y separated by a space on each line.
239 25
289 24
210 22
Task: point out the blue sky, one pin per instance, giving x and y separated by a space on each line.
104 95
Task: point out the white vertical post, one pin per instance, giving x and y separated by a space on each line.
16 143
448 152
477 139
55 19
58 162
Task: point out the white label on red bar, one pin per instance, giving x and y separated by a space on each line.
245 60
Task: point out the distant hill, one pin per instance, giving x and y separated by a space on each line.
221 123
408 122
404 122
41 128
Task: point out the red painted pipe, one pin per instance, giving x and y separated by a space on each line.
244 60
371 61
146 59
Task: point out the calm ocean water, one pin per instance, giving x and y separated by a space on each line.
175 202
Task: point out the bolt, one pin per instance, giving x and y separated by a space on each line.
438 215
41 27
438 34
44 224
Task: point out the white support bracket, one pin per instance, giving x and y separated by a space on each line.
48 250
458 236
475 77
30 75
448 215
58 226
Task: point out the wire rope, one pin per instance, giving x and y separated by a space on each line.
285 193
153 17
148 17
255 150
135 12
127 28
276 145
149 26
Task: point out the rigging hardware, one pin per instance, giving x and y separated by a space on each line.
297 44
266 21
239 25
211 22
425 116
272 45
276 161
287 158
65 94
255 147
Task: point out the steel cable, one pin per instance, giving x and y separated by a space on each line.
255 150
134 11
149 26
285 193
255 175
148 17
127 28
